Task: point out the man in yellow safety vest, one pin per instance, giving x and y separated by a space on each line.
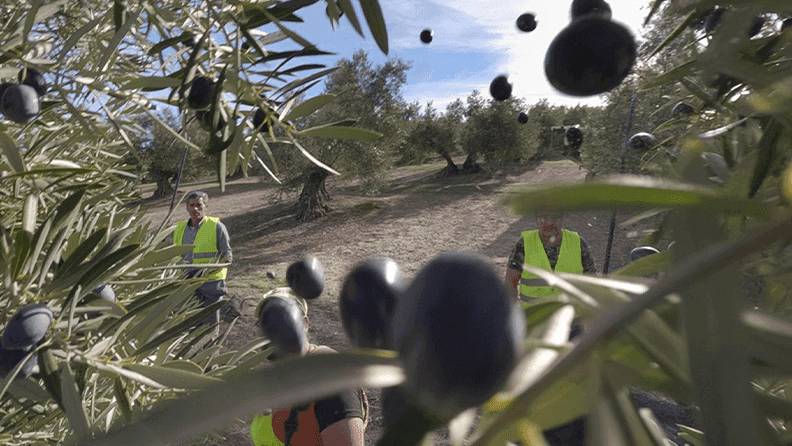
339 420
550 247
212 245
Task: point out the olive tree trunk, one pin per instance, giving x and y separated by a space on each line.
164 185
451 168
470 165
313 199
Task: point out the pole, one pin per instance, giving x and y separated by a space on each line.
612 229
178 179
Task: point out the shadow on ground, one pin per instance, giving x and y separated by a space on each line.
407 197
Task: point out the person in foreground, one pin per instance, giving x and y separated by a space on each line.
339 420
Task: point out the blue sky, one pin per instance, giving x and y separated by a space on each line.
474 41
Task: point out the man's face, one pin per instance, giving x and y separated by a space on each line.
550 227
197 210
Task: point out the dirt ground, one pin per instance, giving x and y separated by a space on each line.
420 215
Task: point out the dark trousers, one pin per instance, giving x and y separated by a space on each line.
209 293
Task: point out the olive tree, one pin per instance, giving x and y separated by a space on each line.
433 134
359 93
161 153
491 131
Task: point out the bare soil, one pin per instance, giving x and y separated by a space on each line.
419 216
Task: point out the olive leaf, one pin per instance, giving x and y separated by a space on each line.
282 385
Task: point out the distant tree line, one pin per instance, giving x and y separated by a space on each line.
478 127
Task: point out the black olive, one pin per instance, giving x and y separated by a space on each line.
500 88
20 103
574 137
306 277
27 328
682 109
641 141
596 8
589 57
526 22
458 334
201 93
367 302
426 36
35 79
259 118
281 321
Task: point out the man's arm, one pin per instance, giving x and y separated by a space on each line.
514 268
224 243
585 257
346 432
340 419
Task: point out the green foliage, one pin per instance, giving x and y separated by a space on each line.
366 97
606 138
429 135
161 152
492 131
543 117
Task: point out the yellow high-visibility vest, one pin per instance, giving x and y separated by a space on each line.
569 261
205 250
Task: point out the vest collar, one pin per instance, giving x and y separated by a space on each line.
189 222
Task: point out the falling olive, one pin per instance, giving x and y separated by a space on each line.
500 88
367 301
596 8
281 321
526 22
458 334
589 57
306 277
426 36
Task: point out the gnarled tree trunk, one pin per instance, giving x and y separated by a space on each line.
313 198
451 168
164 186
470 165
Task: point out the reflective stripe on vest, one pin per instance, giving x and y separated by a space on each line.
569 261
205 250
